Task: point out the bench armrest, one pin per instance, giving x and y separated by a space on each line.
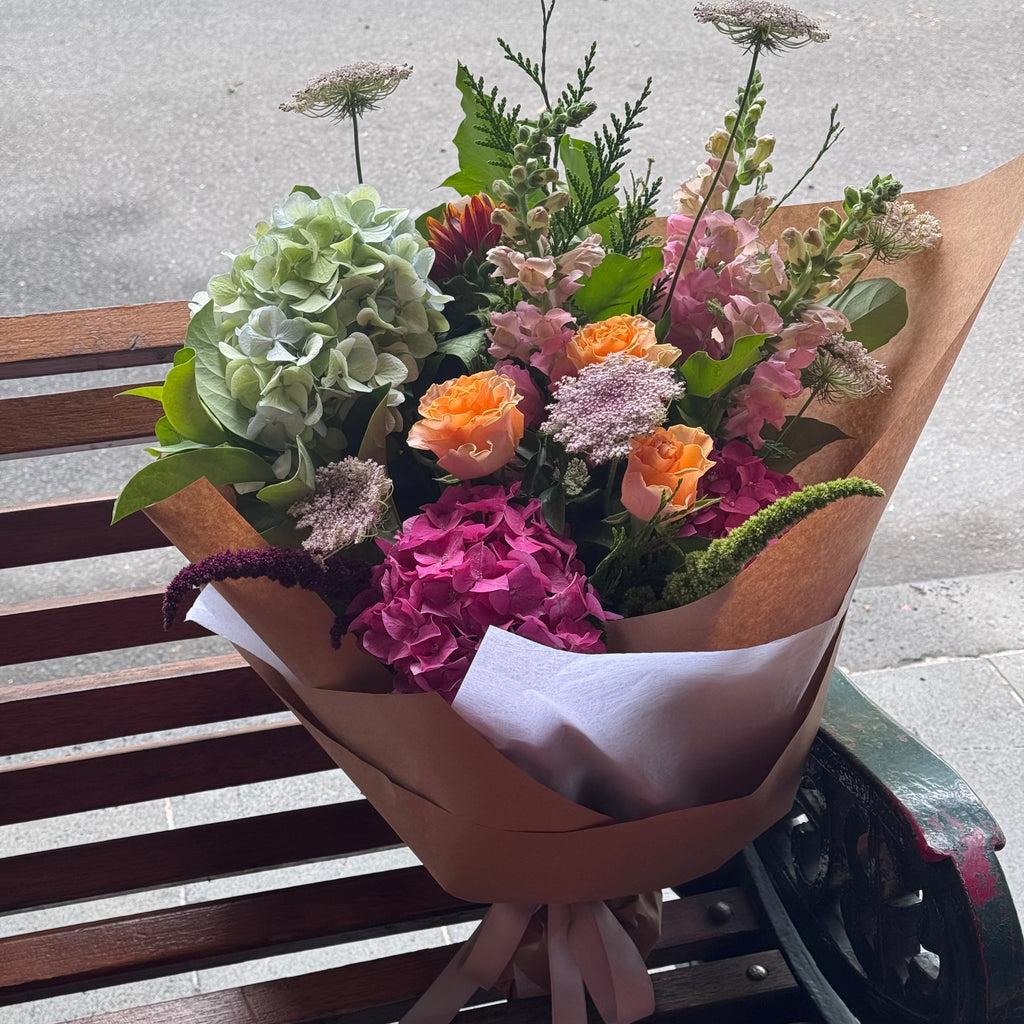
886 869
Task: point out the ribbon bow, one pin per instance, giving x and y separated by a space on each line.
588 951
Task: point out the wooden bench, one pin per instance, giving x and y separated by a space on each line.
878 899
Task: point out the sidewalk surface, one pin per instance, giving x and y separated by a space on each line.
140 141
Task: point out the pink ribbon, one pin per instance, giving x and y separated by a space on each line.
588 951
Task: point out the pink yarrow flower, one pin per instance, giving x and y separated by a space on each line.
475 558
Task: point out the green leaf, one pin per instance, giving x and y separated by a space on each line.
165 433
183 408
364 418
437 213
805 437
467 348
307 190
282 495
167 476
617 284
203 338
706 376
574 161
552 506
374 445
154 391
876 309
477 160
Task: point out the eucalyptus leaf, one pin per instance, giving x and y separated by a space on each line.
211 386
169 475
706 376
617 284
876 309
804 436
183 408
282 495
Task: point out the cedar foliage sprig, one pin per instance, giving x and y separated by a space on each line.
592 193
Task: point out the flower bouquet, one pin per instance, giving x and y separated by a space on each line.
542 514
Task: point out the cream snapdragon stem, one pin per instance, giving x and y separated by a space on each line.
665 323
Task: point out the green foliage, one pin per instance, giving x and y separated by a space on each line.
876 309
618 284
183 407
169 475
706 376
485 138
283 494
802 437
203 338
594 185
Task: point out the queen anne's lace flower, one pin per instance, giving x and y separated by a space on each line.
348 91
902 232
473 559
595 414
761 24
843 368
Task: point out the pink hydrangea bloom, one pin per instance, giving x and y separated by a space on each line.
743 483
475 558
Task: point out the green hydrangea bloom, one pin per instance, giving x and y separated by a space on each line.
332 300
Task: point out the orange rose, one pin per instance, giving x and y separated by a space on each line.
471 424
668 462
633 335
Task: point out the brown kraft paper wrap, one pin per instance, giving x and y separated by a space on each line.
493 834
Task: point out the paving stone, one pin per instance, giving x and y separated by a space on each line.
944 618
1011 668
952 705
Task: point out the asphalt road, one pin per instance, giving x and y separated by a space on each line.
139 141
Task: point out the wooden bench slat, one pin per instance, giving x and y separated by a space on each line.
91 339
180 856
225 931
85 624
380 990
62 530
74 421
85 783
63 712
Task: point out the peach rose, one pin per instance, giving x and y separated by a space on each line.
633 335
472 424
668 462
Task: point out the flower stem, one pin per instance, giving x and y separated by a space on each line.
666 321
856 277
355 146
793 419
